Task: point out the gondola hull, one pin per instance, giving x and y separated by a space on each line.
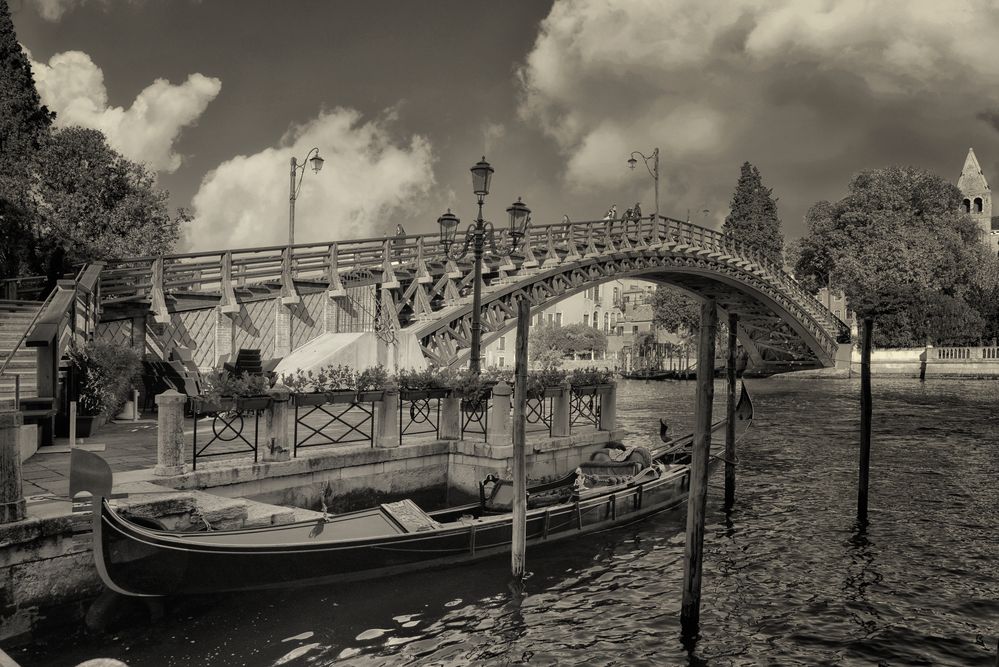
138 561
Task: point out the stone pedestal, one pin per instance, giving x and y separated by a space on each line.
608 408
498 431
12 506
277 445
387 418
450 424
170 433
561 412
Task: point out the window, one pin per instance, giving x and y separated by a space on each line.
558 319
606 322
551 319
586 320
967 206
634 329
501 362
502 343
596 320
615 295
978 204
596 293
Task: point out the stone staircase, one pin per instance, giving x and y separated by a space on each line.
15 318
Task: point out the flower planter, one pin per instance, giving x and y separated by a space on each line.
423 394
312 398
341 396
371 396
586 389
553 392
204 405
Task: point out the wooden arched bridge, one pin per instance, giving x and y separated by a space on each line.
277 298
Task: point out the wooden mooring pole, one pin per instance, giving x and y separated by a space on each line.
867 330
733 326
519 546
690 610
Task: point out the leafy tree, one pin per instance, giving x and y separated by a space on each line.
580 338
24 125
674 311
893 242
104 205
753 217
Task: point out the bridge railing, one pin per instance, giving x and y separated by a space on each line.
375 260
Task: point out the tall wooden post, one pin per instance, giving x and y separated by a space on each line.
733 327
693 551
519 546
866 333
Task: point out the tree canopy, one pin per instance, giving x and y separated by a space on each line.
674 311
24 125
753 216
106 206
548 344
67 185
900 249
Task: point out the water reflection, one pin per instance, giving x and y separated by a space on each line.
789 578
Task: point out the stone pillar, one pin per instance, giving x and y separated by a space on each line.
330 309
278 445
170 433
450 425
282 329
562 412
498 430
387 418
223 337
608 408
12 506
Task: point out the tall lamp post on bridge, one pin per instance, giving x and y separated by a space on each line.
652 164
317 164
478 233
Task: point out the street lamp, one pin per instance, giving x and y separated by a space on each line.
478 233
653 171
317 164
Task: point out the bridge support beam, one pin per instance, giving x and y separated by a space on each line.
12 503
690 609
282 328
867 332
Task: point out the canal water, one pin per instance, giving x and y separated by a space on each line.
789 579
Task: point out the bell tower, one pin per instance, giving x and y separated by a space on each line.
977 194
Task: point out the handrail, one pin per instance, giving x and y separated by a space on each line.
24 336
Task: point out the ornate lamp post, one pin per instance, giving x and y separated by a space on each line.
652 164
478 233
317 164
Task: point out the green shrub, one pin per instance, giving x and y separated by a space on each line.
223 384
105 376
590 376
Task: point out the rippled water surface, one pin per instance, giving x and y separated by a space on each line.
788 579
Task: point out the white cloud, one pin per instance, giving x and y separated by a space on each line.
73 86
52 10
795 81
367 174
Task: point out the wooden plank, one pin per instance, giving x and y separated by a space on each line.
519 546
228 303
733 327
693 552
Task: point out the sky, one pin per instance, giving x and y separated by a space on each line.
401 98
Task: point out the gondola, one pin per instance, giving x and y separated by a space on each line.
647 374
614 488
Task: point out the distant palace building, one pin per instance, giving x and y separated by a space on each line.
978 199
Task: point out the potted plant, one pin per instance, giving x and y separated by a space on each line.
586 381
545 383
223 391
104 377
429 383
370 384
